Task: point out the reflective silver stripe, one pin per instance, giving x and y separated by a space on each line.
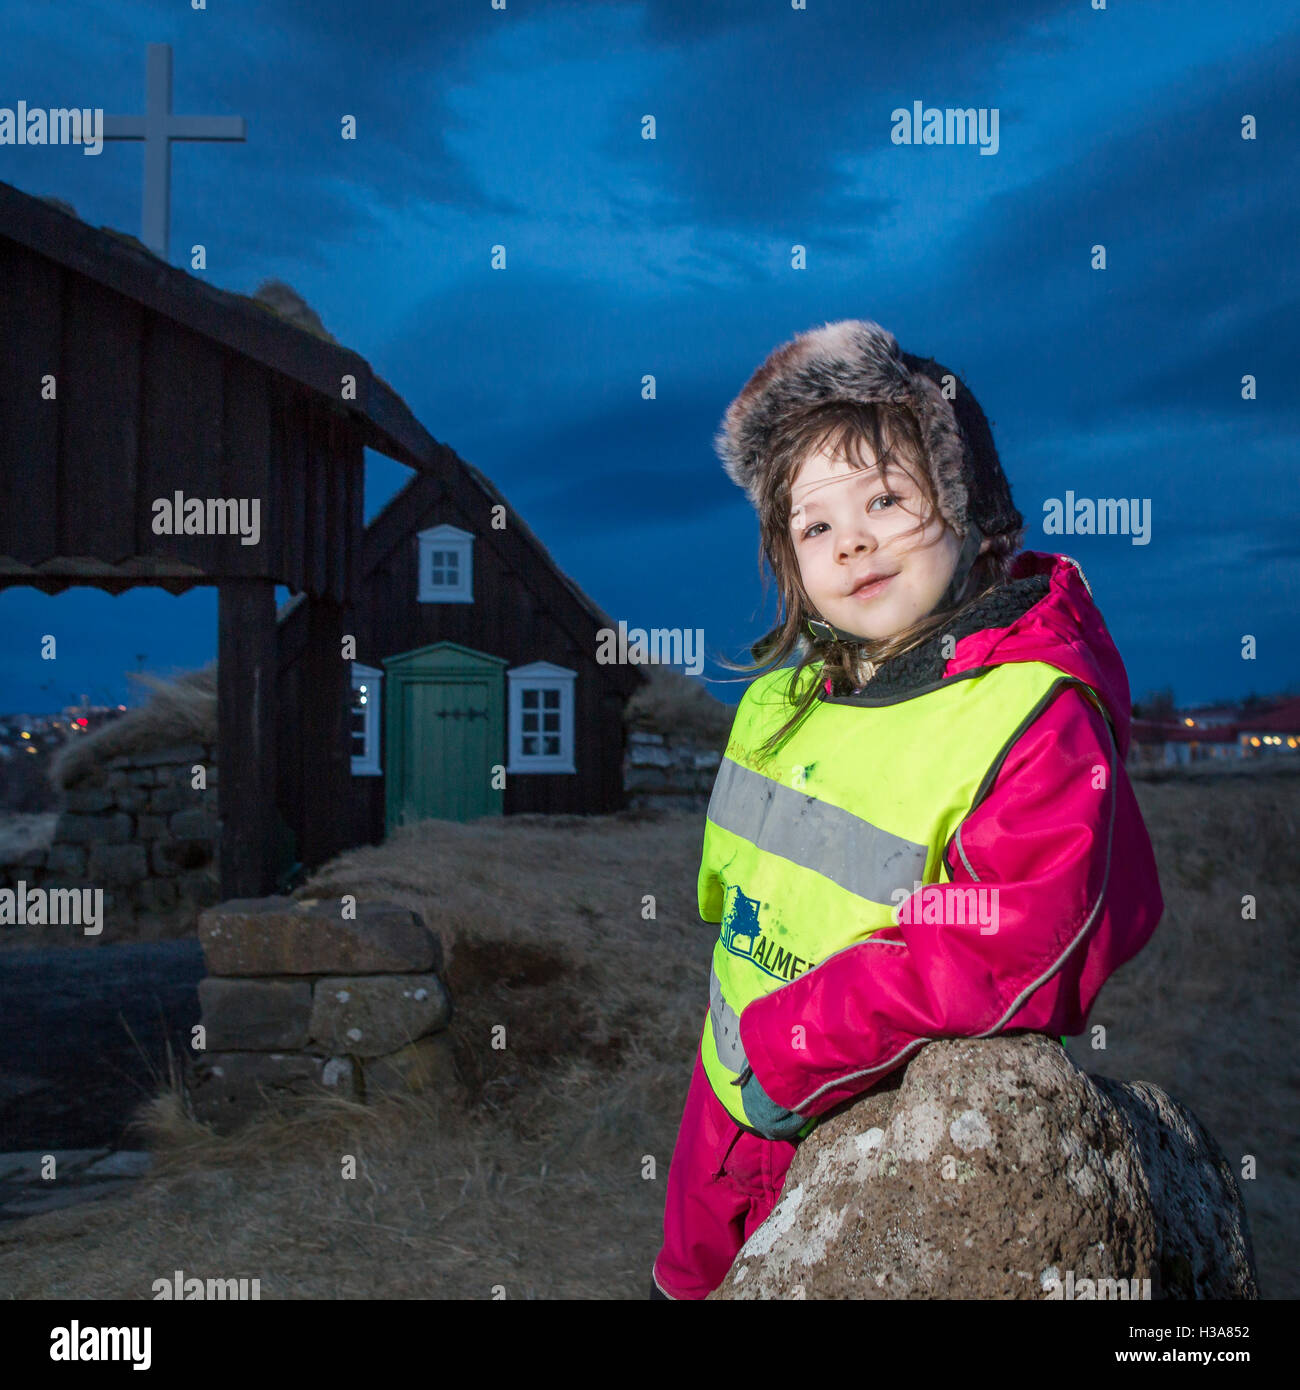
1017 1003
726 1027
850 851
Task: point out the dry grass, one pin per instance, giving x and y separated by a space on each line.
183 710
529 1176
1207 1010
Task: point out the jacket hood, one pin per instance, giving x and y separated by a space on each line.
1064 628
858 360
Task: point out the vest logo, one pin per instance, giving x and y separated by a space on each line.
742 936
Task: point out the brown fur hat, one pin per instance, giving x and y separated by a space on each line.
858 360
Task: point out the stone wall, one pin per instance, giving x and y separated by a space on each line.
299 998
668 774
136 828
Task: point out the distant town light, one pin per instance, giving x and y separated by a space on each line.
1191 723
26 734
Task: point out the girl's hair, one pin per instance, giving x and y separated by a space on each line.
895 437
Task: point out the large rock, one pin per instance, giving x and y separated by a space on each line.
75 829
66 859
281 936
229 1088
187 753
990 1168
87 800
117 864
254 1015
374 1015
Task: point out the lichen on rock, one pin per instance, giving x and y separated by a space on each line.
991 1167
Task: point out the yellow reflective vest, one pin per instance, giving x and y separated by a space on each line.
811 850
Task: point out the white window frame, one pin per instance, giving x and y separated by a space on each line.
452 538
367 764
540 675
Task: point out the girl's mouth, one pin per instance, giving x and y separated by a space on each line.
866 591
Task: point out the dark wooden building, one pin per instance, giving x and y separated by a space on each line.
131 389
474 652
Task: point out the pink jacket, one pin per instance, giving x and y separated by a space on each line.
1078 892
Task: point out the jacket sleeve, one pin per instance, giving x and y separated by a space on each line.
1061 849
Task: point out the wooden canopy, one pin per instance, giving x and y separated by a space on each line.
133 381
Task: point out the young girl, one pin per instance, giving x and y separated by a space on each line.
922 828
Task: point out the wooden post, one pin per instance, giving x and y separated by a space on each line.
325 735
246 679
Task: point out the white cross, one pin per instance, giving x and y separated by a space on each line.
158 128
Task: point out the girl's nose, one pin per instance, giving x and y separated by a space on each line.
858 541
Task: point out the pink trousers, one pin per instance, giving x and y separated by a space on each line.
723 1182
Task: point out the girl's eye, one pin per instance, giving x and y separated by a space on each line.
884 497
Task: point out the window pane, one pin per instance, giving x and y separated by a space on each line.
541 716
444 568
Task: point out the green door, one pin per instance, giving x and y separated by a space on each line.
444 732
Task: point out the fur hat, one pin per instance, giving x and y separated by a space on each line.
858 360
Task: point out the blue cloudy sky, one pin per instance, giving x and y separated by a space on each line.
522 126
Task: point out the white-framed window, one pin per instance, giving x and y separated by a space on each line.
364 721
446 565
541 718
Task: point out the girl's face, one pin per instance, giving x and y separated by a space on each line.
847 526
